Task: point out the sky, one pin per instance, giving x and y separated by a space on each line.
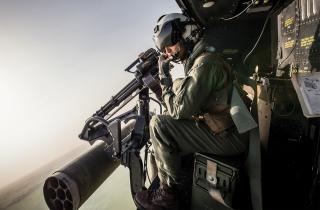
59 62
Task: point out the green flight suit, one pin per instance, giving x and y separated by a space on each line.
176 134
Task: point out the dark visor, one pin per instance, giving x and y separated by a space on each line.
166 36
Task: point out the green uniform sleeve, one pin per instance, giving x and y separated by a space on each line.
190 94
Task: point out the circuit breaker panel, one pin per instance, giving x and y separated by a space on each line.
299 37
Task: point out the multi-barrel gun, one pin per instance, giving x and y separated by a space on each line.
123 136
103 122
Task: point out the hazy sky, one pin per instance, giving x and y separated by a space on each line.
60 60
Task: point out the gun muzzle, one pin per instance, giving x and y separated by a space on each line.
69 187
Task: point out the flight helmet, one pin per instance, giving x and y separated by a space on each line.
173 28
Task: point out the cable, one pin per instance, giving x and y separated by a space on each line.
279 65
146 173
231 18
261 33
158 102
255 45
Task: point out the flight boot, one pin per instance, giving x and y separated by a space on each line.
163 198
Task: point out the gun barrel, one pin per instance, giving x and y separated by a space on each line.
72 185
69 187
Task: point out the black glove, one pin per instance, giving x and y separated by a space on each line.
164 66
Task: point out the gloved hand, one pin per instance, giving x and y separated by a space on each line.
164 66
164 72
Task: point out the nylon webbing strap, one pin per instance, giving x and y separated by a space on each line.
212 173
253 165
215 193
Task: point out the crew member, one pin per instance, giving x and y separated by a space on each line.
197 115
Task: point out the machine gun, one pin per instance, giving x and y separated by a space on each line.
123 136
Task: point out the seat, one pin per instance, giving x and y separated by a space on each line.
214 179
214 176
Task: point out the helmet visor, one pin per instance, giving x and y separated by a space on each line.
165 36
